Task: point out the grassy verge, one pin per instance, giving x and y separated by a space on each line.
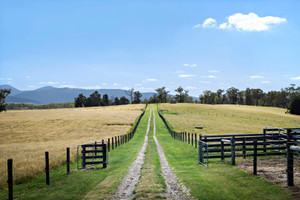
84 183
151 184
219 180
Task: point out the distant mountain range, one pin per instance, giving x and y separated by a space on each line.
49 94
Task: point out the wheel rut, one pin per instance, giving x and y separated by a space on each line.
174 189
128 184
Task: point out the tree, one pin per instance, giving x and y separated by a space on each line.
180 95
130 93
93 100
162 94
232 94
117 101
105 100
240 97
137 97
295 106
248 97
124 100
3 95
80 100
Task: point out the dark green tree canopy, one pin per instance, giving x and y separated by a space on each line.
137 97
295 106
3 95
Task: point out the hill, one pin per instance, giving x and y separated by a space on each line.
49 94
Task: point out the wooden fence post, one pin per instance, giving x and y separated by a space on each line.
108 144
10 178
47 168
255 158
118 140
189 140
104 155
222 150
244 147
233 151
68 160
112 143
290 165
192 139
196 140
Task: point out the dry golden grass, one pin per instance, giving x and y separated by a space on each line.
26 135
227 119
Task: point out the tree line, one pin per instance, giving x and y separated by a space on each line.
256 97
95 100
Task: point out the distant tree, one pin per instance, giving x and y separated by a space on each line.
162 94
93 100
154 99
124 100
180 96
3 95
248 97
80 100
137 97
130 93
105 100
117 101
257 95
240 97
295 106
232 94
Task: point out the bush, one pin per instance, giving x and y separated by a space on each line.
295 106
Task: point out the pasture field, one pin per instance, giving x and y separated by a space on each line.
26 135
226 119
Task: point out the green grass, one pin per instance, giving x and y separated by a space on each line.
84 183
218 181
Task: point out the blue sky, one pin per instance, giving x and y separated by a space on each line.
199 45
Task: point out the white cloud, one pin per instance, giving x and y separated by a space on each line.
138 84
68 86
224 26
104 84
210 76
265 82
190 65
213 71
256 76
150 80
31 86
116 84
48 83
244 22
209 23
197 26
186 75
296 78
251 22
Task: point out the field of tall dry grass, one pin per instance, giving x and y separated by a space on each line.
227 119
26 135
